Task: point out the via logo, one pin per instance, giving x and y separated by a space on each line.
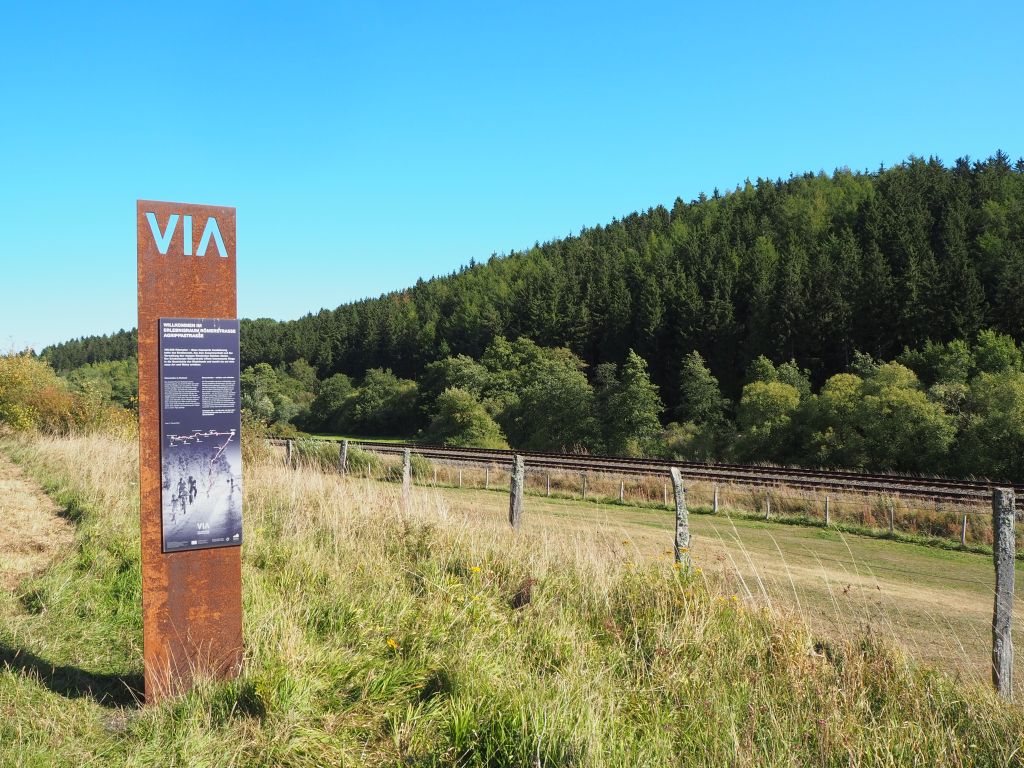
163 238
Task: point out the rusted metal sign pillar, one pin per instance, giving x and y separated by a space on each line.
191 600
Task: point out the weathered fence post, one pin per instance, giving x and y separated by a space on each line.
487 478
664 493
767 506
714 502
460 477
343 457
406 476
1003 553
515 499
828 517
584 486
963 531
622 491
892 519
682 542
288 453
435 474
548 481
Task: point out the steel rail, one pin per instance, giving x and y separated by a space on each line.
973 492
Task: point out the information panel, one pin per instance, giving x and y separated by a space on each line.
200 434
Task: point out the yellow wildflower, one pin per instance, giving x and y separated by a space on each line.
392 644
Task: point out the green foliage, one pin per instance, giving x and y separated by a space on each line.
700 398
328 405
273 395
631 411
795 376
114 381
950 363
555 407
761 369
69 355
305 374
382 405
763 416
361 462
539 396
903 429
33 397
318 454
459 372
463 422
809 268
695 442
834 418
832 273
992 441
996 352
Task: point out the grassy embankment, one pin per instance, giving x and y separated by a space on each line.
434 636
915 521
922 593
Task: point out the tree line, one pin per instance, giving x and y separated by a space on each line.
821 270
953 408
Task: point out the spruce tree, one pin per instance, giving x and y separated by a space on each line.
633 409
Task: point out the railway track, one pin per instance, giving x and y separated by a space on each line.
939 490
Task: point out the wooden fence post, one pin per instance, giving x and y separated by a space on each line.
1003 553
406 476
548 481
714 502
435 474
584 486
288 453
682 541
515 500
460 477
828 517
892 519
767 506
622 491
664 493
963 531
343 458
487 478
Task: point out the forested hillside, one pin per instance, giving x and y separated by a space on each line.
859 319
811 268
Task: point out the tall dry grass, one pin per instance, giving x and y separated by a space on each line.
383 635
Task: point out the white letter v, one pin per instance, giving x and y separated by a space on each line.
163 239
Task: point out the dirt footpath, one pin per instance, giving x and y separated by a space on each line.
31 532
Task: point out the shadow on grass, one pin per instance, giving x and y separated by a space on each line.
73 682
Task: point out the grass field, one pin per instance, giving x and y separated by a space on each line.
936 604
432 636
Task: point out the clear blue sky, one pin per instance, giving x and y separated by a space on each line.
366 145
